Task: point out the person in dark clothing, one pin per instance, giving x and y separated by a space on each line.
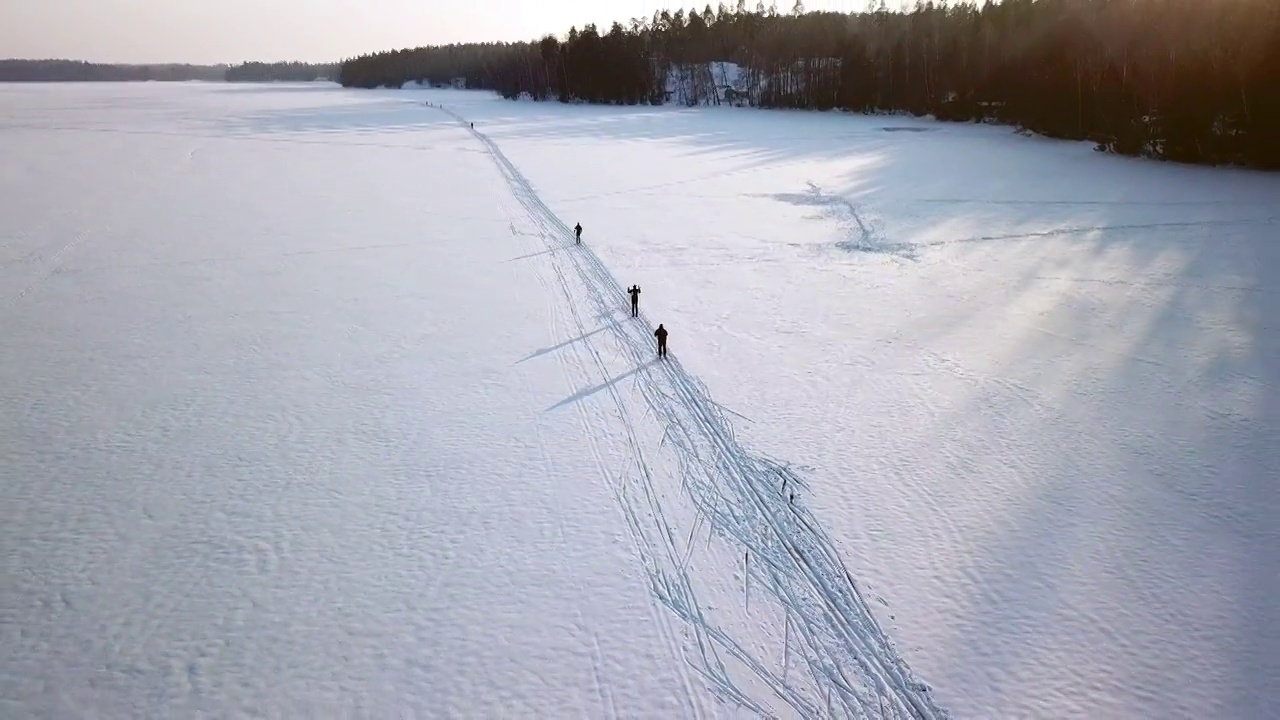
661 334
634 292
577 231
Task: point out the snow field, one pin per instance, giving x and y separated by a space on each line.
269 448
1033 389
338 344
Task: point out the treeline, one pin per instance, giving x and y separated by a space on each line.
1184 80
79 71
281 72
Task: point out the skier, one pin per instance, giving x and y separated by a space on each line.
661 334
634 292
577 231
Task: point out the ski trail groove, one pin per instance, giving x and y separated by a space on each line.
854 670
592 416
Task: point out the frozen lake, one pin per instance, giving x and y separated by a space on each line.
313 408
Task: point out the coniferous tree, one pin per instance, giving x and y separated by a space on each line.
1178 79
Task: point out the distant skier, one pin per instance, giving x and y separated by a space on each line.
634 292
577 232
661 334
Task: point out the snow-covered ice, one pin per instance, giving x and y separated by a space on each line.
312 408
271 440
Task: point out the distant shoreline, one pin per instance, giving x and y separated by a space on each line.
61 71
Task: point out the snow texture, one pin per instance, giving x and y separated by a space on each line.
314 408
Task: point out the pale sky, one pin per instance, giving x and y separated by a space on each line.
233 31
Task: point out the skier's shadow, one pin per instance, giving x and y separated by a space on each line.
583 394
543 351
549 251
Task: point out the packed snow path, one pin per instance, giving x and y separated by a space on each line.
743 500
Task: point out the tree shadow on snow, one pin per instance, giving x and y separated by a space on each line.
752 137
755 136
1133 354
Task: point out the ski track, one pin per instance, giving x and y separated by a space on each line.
592 417
860 236
854 670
